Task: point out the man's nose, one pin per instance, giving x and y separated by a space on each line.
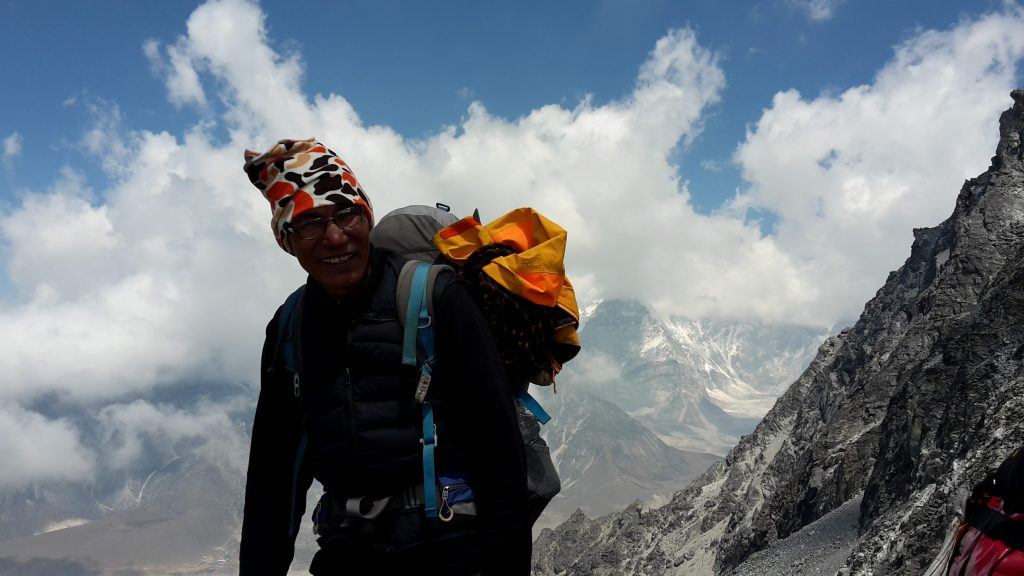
335 234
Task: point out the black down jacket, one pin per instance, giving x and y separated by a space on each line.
356 427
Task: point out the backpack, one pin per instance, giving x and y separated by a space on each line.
990 539
514 269
410 232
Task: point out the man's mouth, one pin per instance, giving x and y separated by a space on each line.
338 259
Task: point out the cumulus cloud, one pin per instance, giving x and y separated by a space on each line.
34 448
170 272
172 277
75 259
142 430
122 436
851 175
180 75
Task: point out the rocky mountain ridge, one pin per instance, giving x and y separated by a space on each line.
606 460
914 402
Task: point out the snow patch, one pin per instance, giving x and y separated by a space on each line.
62 525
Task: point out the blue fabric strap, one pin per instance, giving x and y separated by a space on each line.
417 314
429 441
419 324
531 404
417 295
285 329
425 326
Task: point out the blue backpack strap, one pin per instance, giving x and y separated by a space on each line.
413 271
287 338
415 292
530 403
429 476
408 315
287 335
418 325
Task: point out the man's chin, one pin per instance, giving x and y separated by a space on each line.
341 284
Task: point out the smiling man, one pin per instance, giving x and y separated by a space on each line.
348 416
337 256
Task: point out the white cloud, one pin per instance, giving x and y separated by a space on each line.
816 10
180 73
34 448
12 146
174 276
142 430
170 273
850 176
107 140
73 260
712 165
123 435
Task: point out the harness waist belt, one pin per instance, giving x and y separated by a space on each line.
331 511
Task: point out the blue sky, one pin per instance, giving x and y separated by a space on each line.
415 66
760 161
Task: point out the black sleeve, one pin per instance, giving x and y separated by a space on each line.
279 471
494 446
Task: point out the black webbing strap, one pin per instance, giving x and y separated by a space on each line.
998 526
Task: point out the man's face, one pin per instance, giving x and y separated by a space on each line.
339 260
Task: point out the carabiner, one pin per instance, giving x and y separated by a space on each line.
445 514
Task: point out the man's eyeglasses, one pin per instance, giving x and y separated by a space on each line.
314 228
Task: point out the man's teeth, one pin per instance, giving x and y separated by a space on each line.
338 259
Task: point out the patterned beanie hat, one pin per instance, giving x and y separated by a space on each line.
299 175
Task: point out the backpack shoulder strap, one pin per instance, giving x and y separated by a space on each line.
288 345
402 295
419 317
405 279
414 284
530 403
288 335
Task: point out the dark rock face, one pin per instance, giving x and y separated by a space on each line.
910 405
956 406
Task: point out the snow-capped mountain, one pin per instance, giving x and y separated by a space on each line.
698 384
914 403
640 410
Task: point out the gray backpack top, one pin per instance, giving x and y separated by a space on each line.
409 231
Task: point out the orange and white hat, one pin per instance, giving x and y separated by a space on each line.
299 175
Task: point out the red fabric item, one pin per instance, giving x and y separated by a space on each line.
978 554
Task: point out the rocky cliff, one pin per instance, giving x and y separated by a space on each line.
914 402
